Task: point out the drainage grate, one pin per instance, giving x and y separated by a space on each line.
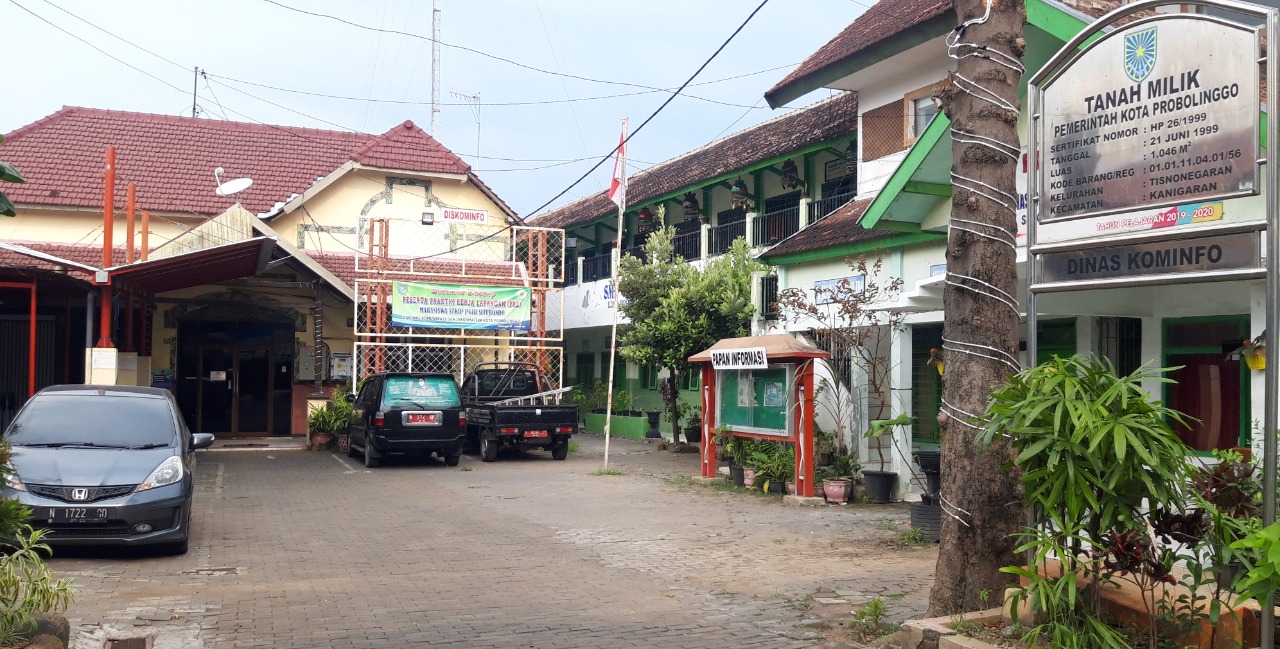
130 643
245 445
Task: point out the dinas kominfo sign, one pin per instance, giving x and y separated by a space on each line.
1163 112
1152 259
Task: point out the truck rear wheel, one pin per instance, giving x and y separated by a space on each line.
453 457
560 451
488 449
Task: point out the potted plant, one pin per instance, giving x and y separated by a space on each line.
776 464
622 403
880 483
323 424
694 426
837 481
734 450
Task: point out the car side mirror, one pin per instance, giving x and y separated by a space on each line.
201 440
349 397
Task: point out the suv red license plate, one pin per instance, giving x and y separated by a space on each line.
422 418
77 514
535 433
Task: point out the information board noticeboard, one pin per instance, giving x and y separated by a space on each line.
756 400
1161 113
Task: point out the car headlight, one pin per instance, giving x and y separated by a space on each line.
169 472
14 482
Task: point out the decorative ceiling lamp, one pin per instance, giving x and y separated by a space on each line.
691 206
790 175
739 197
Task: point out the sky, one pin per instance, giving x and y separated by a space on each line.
529 125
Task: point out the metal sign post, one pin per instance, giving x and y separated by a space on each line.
1136 138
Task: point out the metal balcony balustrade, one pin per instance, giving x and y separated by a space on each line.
722 236
688 245
570 271
768 229
597 268
820 208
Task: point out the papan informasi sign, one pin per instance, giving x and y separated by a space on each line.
454 306
1161 113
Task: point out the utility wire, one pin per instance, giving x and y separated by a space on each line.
655 113
487 55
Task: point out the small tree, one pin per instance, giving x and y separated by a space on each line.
677 310
845 322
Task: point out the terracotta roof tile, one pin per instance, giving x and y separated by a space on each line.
825 121
444 270
882 21
171 159
839 228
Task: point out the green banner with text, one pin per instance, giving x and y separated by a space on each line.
456 306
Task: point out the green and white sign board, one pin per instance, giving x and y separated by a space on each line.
455 306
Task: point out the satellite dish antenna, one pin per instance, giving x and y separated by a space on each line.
230 187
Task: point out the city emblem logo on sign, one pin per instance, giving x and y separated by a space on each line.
1140 54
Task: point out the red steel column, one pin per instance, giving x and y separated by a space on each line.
31 348
804 458
130 204
708 421
108 227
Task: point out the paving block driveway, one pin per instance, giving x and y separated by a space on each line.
296 548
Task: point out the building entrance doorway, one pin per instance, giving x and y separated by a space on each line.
236 369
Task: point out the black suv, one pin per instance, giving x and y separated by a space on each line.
407 412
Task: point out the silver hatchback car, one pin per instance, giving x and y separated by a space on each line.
105 465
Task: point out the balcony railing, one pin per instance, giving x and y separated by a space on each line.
820 208
769 297
775 226
688 245
635 251
570 271
597 268
722 236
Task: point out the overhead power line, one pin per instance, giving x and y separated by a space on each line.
655 112
486 54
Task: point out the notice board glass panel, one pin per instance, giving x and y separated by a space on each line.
756 400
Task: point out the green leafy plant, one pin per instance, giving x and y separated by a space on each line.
1263 576
774 462
9 175
621 401
27 586
913 537
1093 453
869 622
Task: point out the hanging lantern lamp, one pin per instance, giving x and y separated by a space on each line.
645 217
790 175
691 206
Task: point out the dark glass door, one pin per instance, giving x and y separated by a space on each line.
253 391
217 368
235 390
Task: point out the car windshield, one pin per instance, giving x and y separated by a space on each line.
509 382
114 420
420 392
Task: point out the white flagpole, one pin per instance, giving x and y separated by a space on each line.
613 280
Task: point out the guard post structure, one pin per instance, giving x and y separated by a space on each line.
760 387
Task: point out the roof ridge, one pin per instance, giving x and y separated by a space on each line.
772 122
160 118
43 121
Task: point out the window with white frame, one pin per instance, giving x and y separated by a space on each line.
922 111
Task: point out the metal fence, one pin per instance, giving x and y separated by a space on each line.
458 360
769 297
688 246
597 268
775 226
820 208
722 236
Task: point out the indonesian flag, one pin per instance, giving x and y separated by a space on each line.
618 186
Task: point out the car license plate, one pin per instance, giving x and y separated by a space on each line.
422 418
535 433
77 514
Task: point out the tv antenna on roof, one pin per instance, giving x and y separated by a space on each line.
230 187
